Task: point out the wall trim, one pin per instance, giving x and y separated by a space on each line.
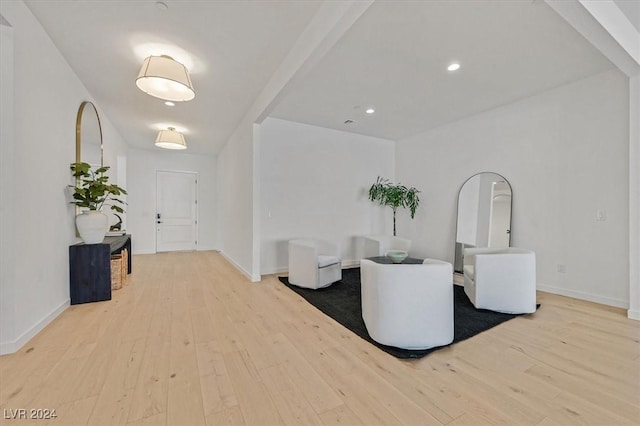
276 270
207 248
13 346
253 278
590 297
346 264
203 248
633 314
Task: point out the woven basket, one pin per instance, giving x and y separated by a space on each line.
125 265
116 271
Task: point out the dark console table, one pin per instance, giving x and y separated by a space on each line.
90 268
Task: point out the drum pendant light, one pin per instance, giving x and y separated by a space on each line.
171 139
165 78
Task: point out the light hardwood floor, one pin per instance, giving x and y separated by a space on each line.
190 341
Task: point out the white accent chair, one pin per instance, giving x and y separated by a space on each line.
314 263
501 279
379 245
408 306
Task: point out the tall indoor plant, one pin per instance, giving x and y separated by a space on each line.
394 195
93 191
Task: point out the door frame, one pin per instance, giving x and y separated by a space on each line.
197 217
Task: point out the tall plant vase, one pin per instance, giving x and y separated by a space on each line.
92 226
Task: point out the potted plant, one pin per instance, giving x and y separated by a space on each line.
394 196
93 191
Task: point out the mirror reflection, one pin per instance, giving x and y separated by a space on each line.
88 135
484 214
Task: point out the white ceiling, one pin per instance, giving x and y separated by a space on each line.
393 58
231 49
630 9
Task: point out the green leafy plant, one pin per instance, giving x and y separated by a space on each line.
93 190
394 195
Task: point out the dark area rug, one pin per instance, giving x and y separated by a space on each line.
341 301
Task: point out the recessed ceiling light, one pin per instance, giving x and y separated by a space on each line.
454 66
169 103
370 110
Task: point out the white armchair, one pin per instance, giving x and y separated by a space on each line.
379 245
313 263
501 279
408 306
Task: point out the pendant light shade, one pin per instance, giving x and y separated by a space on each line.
171 139
165 78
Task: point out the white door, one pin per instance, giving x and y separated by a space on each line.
176 211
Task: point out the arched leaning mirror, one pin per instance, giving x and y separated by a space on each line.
484 214
88 135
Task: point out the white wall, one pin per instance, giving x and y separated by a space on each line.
235 183
565 153
39 147
611 29
314 183
141 208
634 197
238 161
7 189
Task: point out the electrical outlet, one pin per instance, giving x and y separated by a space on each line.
562 268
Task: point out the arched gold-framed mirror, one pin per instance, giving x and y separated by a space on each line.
484 214
88 135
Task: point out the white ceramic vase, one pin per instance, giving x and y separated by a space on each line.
92 226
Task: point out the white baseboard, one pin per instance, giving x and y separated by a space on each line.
603 300
633 314
134 252
346 264
276 270
251 277
207 248
15 345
